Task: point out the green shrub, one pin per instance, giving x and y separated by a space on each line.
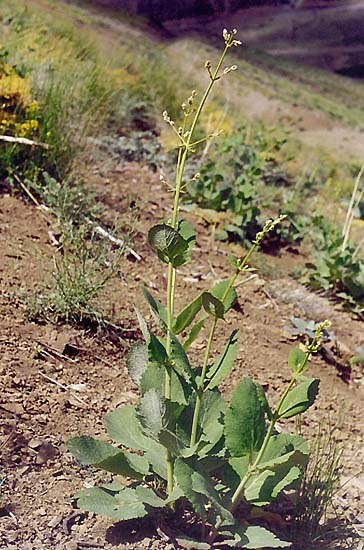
232 180
341 272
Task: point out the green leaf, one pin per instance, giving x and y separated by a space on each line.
88 450
123 427
194 332
183 474
180 362
119 506
219 290
300 398
191 544
251 536
199 490
274 476
283 443
143 325
188 233
158 311
148 496
296 359
212 305
103 455
137 361
152 412
152 378
225 363
244 420
156 350
168 244
211 416
187 315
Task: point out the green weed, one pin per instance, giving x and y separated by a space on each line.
185 449
85 262
334 269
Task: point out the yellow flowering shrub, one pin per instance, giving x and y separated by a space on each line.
18 110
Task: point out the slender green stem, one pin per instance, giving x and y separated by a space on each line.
196 413
200 388
184 149
239 491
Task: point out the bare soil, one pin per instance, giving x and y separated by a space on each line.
59 381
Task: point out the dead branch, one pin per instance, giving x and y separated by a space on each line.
24 141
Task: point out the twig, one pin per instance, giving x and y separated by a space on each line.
66 388
245 281
26 190
54 352
119 242
274 303
24 141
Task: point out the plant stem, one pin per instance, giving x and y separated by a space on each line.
200 389
184 149
276 415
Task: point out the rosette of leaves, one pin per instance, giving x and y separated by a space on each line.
237 454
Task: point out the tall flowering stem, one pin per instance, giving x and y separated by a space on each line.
185 135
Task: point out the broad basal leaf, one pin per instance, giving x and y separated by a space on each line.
152 413
273 477
282 444
211 416
253 537
225 363
244 420
300 398
199 490
117 505
123 427
103 455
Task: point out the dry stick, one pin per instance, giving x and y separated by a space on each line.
119 242
24 141
349 214
62 386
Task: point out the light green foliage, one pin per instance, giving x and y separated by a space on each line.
232 180
334 269
181 437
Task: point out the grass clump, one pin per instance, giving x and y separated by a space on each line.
192 456
88 256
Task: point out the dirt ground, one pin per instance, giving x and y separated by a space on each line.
58 381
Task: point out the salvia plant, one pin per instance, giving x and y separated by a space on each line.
186 451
